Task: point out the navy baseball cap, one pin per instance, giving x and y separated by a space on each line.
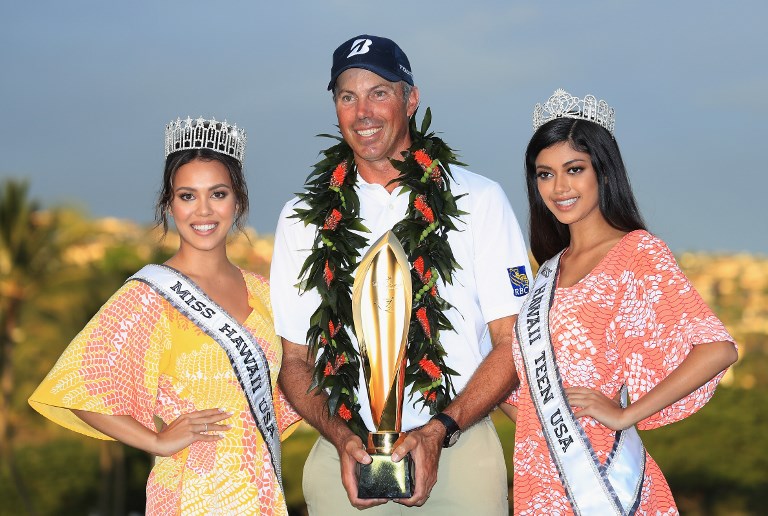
379 55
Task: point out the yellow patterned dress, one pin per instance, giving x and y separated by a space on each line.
140 357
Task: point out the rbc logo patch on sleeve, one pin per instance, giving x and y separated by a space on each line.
519 280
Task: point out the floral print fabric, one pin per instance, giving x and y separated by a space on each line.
632 320
140 357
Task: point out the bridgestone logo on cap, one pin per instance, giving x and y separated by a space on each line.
360 46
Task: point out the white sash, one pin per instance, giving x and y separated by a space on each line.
591 487
246 356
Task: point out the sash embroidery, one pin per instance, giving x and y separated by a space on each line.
591 487
248 360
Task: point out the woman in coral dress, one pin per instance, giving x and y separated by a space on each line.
612 336
189 344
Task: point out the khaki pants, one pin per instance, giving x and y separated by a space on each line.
471 480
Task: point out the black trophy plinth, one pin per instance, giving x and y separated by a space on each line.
383 478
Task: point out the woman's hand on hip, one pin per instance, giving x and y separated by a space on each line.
593 403
201 425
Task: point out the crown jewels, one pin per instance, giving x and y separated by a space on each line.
564 105
205 134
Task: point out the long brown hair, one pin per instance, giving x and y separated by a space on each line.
617 203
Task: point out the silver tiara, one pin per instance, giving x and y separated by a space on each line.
564 105
205 134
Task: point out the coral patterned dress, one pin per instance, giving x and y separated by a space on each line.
632 320
140 357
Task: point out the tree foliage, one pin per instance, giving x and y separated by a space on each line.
29 255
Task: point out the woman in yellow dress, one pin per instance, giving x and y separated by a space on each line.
189 343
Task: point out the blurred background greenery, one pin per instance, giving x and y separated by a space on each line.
57 266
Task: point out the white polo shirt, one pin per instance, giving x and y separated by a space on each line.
488 246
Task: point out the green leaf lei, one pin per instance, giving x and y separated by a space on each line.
334 208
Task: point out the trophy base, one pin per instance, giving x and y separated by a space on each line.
383 478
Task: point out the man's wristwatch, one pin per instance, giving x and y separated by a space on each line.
452 430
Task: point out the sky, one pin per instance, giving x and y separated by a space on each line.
86 88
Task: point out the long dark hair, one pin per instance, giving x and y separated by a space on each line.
617 204
177 159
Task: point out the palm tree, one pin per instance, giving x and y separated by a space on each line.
29 254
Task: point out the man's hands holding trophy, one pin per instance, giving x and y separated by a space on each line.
391 465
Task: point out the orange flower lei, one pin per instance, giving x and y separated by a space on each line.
333 207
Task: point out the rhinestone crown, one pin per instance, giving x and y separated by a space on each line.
200 133
564 105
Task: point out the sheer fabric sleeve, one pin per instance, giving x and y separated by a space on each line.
513 398
287 418
259 298
112 366
659 319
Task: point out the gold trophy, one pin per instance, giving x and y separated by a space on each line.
381 306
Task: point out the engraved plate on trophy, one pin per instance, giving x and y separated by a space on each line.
381 306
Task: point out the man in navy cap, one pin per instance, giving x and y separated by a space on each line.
375 97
